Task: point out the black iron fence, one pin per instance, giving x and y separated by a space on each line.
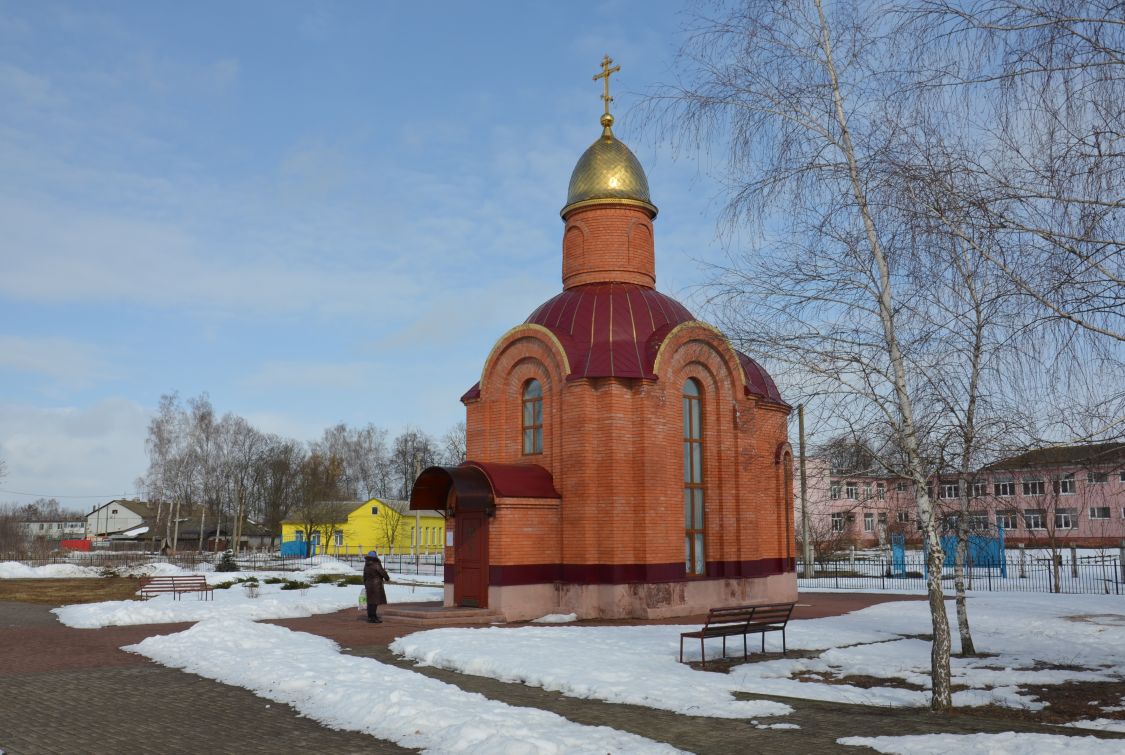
402 563
1087 574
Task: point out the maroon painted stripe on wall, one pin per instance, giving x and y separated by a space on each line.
609 574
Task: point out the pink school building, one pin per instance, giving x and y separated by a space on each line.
1067 495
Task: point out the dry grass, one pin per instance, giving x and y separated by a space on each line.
59 592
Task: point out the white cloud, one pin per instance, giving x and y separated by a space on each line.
67 363
96 450
314 376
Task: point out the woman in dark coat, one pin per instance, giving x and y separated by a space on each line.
374 575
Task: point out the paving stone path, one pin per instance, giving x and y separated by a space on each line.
68 690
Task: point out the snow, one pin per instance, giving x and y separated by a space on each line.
361 694
272 602
1029 639
1100 724
556 618
16 570
1007 743
1028 635
635 665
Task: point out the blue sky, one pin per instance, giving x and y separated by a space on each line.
316 212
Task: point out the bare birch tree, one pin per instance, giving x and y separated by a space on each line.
804 98
1032 98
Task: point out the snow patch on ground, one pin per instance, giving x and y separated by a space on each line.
272 603
361 694
556 618
1033 638
16 570
1100 724
634 665
1007 743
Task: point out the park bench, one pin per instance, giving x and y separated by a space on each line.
733 621
177 585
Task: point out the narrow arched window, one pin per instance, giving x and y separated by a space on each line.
532 417
694 556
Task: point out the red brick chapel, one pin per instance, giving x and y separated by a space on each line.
624 459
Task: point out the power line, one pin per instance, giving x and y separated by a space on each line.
45 495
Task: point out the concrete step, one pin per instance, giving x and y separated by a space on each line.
436 615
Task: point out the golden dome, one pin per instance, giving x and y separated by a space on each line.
608 172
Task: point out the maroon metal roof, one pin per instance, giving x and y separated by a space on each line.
606 328
616 329
517 480
758 381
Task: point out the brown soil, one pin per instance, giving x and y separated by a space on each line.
1065 703
58 592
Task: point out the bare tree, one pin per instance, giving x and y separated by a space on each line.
1040 174
413 450
12 535
319 509
363 451
454 444
804 96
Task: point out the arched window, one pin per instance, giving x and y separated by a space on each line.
532 417
694 556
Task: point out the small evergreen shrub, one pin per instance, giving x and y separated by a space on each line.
227 563
326 579
294 584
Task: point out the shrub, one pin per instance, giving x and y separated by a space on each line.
227 563
294 584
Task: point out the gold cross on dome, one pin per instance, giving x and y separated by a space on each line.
605 74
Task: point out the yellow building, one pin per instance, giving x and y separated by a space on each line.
388 527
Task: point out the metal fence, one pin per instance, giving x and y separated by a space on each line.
402 563
1103 575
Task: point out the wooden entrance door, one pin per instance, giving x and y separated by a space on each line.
470 570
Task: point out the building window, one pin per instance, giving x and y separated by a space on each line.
851 491
1065 485
869 522
1066 519
532 417
902 517
900 487
980 489
1034 487
1004 489
881 490
299 535
694 557
834 491
950 490
1093 478
978 521
1099 512
1121 476
337 538
1009 520
882 519
838 521
867 492
374 511
1035 519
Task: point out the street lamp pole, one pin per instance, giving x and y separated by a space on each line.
806 546
417 520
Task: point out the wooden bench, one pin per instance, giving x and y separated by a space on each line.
733 621
177 585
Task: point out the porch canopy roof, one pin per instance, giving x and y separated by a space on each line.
478 484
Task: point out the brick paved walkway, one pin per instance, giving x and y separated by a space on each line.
68 690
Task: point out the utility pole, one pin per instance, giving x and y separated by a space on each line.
417 520
806 546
